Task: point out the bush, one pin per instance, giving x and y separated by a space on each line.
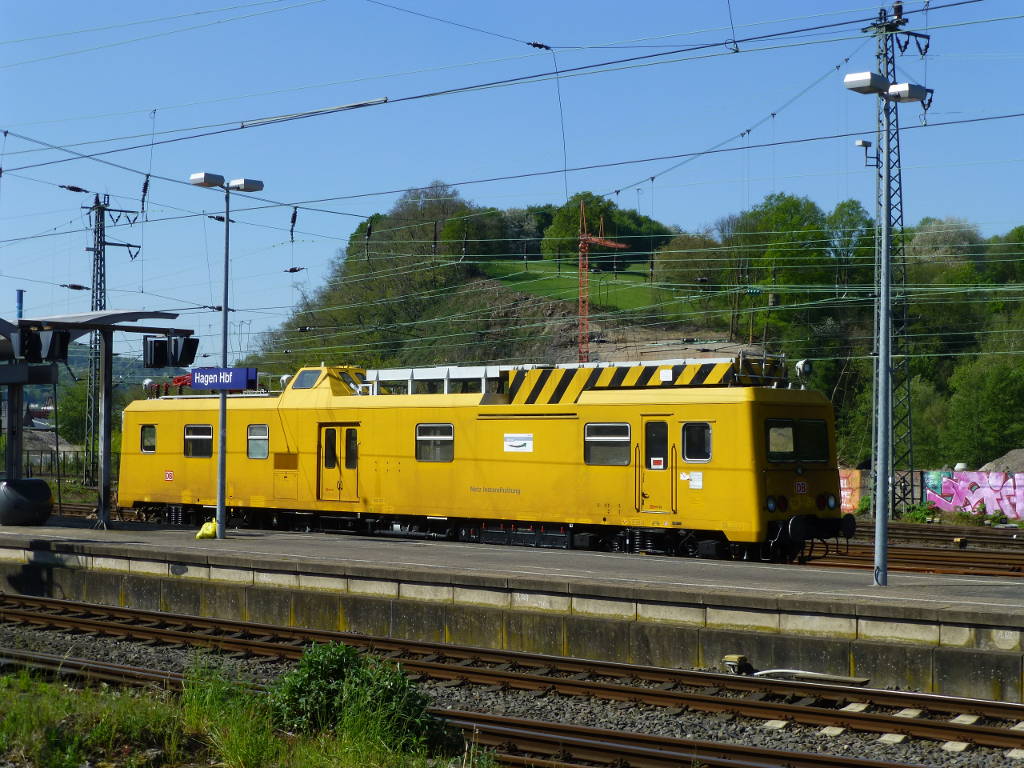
922 512
359 697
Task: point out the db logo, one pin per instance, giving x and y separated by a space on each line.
168 476
800 487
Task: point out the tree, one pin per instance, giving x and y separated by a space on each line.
1003 258
947 239
641 233
72 407
986 409
851 241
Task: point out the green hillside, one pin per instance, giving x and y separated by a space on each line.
437 279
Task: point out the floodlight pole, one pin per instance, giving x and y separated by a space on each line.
243 185
222 419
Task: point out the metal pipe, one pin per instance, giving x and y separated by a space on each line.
883 405
106 408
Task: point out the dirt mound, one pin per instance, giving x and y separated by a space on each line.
1012 462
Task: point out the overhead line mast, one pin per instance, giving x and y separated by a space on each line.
99 212
888 36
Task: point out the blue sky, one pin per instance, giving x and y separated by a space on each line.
219 63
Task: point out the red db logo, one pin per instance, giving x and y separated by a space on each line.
168 476
800 487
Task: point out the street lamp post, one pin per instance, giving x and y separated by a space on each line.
874 83
239 185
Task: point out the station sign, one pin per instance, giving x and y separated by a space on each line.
224 378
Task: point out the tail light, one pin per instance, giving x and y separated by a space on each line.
821 501
783 504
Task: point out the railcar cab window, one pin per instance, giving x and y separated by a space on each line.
606 444
306 379
199 441
147 438
811 440
697 442
257 441
797 440
435 442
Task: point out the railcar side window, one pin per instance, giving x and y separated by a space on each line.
351 448
257 441
606 444
330 448
306 379
696 442
780 440
811 440
656 445
199 440
147 438
435 442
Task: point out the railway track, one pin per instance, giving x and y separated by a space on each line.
929 560
934 717
953 536
514 741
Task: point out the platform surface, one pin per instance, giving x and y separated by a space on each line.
836 590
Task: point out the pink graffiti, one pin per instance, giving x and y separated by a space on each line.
998 491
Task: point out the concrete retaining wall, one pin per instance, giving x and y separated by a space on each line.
903 646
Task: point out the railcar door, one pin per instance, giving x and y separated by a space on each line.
339 462
658 452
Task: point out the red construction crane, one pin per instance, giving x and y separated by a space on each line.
586 240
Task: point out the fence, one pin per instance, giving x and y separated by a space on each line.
70 464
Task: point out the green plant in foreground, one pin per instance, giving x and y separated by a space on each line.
367 702
345 710
230 716
48 724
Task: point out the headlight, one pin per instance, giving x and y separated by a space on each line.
771 503
833 502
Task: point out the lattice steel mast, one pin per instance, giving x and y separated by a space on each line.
99 212
888 36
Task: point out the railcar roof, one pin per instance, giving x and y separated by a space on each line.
320 398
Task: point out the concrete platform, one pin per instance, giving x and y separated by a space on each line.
953 634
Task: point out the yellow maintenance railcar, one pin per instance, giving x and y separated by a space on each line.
699 457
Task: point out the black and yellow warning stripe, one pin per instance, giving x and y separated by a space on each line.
563 385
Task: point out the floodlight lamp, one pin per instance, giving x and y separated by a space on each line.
862 143
866 82
907 92
245 185
206 180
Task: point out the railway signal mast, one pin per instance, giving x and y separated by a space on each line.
893 443
586 240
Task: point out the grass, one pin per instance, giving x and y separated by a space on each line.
377 721
52 725
615 291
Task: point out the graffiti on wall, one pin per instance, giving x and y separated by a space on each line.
850 490
967 491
